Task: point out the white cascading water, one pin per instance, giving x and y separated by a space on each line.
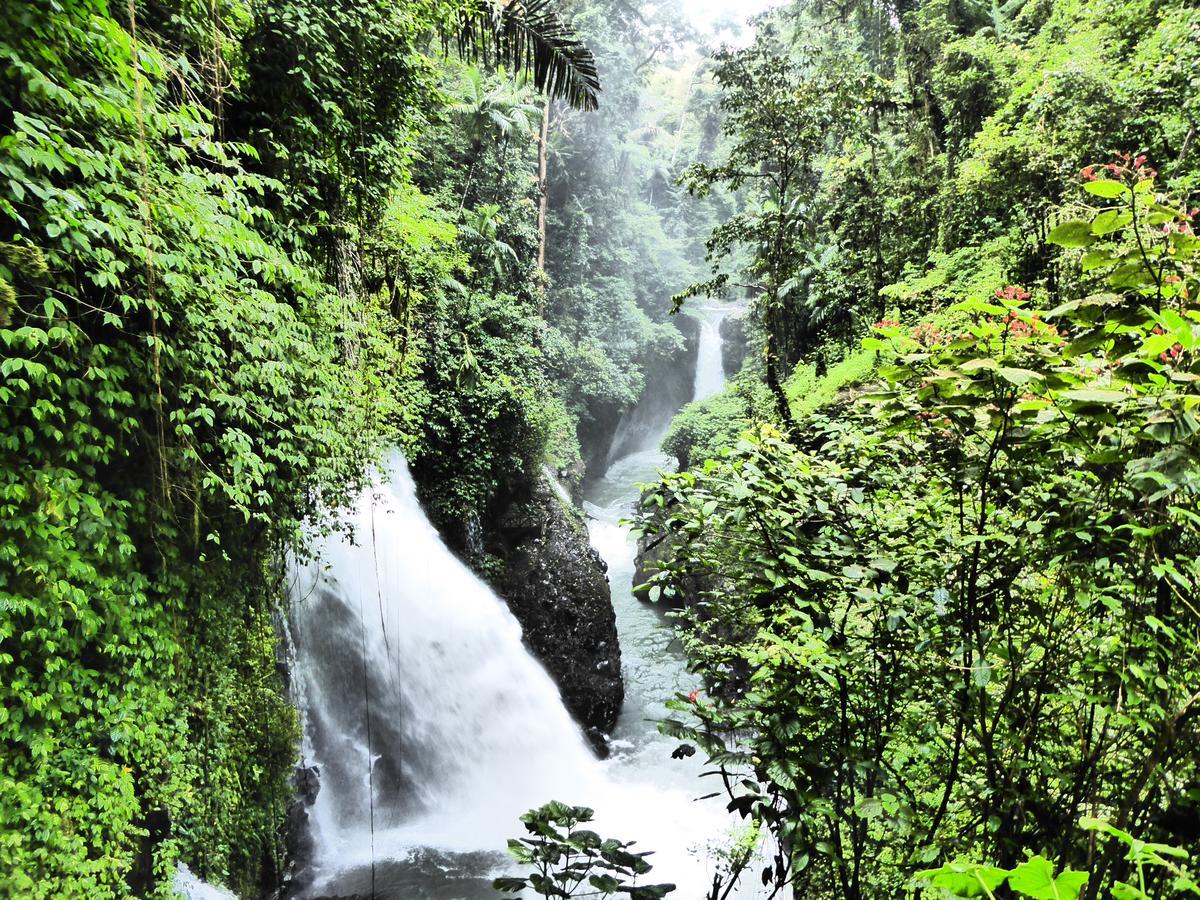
710 366
191 887
430 723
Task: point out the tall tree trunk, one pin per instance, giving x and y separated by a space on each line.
543 185
774 383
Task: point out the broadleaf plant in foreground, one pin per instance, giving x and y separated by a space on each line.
962 614
569 861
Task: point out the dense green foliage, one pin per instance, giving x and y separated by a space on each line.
569 861
1153 867
952 614
961 615
170 391
233 270
704 428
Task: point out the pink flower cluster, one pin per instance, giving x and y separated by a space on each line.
1013 293
928 335
1019 327
1126 167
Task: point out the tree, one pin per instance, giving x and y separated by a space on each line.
779 115
528 35
490 112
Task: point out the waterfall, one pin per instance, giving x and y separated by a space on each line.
419 700
431 725
710 366
643 427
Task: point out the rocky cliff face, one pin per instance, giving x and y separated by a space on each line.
669 384
735 342
609 432
555 585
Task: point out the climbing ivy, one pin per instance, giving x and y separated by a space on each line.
175 397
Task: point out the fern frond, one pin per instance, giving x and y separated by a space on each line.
529 36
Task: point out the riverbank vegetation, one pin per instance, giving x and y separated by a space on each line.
949 610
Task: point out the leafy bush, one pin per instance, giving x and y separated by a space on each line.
570 861
808 392
705 428
960 616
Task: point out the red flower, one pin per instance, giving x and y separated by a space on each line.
1014 293
1088 174
694 697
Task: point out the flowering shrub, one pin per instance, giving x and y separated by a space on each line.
962 616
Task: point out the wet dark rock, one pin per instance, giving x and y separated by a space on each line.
555 585
735 343
307 782
597 428
424 874
298 836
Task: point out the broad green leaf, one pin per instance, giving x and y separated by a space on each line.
1111 220
965 879
605 884
1096 259
983 362
1035 878
1076 233
1123 891
648 891
1093 395
870 808
1019 376
1109 190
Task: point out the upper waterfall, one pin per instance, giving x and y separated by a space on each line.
710 365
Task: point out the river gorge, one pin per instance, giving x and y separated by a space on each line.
429 727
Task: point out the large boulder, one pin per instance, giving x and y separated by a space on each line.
555 585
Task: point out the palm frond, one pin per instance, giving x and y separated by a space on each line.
529 36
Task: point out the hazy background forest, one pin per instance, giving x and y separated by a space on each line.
931 548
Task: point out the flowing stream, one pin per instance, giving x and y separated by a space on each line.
433 728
